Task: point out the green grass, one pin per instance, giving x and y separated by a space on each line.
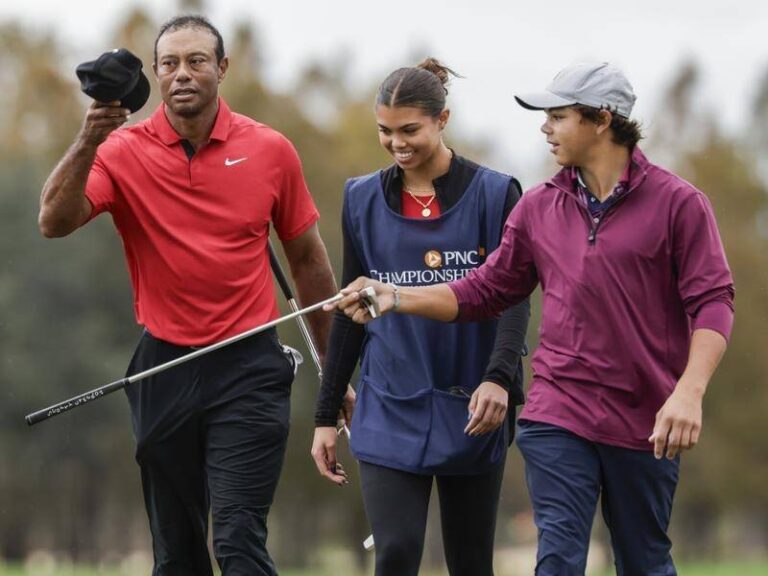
724 569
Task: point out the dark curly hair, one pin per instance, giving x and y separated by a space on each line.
625 132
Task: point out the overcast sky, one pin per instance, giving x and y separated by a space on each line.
501 47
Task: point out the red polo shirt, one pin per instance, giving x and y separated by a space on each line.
195 231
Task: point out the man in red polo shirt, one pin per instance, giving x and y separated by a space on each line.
192 192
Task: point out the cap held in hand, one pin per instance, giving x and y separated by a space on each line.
115 75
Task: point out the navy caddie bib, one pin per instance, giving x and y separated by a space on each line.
417 375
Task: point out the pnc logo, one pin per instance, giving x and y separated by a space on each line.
433 259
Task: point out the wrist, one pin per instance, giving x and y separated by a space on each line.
325 421
86 144
498 381
395 296
692 385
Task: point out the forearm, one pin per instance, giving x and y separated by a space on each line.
437 302
508 346
706 351
344 347
63 205
314 282
679 421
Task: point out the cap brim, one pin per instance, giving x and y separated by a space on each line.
543 101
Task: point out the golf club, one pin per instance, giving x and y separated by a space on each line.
102 391
282 279
369 297
277 269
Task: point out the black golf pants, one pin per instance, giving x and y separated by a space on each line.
211 435
396 503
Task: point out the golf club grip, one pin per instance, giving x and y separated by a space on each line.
279 274
76 401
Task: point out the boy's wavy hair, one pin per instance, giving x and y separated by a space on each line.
625 132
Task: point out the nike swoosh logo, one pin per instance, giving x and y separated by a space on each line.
228 162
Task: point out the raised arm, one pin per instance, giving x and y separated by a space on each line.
436 302
63 204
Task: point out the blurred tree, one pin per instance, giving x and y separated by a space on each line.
37 117
721 478
57 299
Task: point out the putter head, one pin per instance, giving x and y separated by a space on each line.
370 301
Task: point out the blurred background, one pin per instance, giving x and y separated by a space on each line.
70 497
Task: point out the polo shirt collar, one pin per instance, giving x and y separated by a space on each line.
169 136
220 130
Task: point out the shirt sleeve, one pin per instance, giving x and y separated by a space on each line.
509 346
507 277
704 279
100 188
344 344
295 211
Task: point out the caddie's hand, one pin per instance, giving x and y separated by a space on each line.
352 305
101 119
487 408
348 406
324 455
678 423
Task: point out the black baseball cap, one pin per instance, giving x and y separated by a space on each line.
115 75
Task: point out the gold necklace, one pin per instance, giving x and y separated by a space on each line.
426 212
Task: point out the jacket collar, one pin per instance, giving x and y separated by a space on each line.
638 168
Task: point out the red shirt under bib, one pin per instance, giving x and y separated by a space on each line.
412 209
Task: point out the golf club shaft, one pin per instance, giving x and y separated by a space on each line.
97 393
277 269
303 328
368 543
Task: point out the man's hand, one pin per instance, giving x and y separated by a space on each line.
353 306
488 408
678 423
324 455
348 406
63 205
101 119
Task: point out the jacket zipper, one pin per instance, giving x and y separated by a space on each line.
594 222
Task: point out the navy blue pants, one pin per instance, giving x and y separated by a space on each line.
566 475
211 435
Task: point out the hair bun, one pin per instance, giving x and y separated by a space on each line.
421 86
442 72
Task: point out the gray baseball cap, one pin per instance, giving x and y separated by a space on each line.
599 85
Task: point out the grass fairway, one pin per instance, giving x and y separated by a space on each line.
725 569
